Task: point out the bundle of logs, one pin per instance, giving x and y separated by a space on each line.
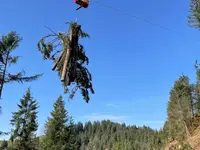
70 62
68 58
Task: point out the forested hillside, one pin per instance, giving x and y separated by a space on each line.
181 129
113 136
183 120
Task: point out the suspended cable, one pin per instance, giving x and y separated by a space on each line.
136 17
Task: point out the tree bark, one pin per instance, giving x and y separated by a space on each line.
67 57
4 72
57 61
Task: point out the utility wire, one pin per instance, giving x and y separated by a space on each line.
136 17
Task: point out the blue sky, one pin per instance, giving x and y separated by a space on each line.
133 64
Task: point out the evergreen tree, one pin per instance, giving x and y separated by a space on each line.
196 88
25 123
59 129
72 134
179 109
8 44
194 17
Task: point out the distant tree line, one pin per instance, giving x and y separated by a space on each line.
61 133
107 135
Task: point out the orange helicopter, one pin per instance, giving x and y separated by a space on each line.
82 3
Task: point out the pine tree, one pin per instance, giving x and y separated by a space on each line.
25 123
72 134
59 129
196 88
179 109
8 44
70 63
194 17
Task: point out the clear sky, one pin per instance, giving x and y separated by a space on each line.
134 64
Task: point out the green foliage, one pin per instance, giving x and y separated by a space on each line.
183 146
183 109
179 109
196 121
113 136
4 145
194 17
8 44
25 124
196 88
59 129
186 146
66 48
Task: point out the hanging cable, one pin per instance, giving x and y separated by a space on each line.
136 17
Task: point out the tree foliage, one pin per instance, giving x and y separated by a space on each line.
114 136
25 123
194 17
196 89
183 109
59 130
179 109
8 43
69 58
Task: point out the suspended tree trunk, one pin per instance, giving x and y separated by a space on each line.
67 57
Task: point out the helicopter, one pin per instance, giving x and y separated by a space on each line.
82 3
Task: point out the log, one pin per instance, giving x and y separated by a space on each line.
57 61
67 57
